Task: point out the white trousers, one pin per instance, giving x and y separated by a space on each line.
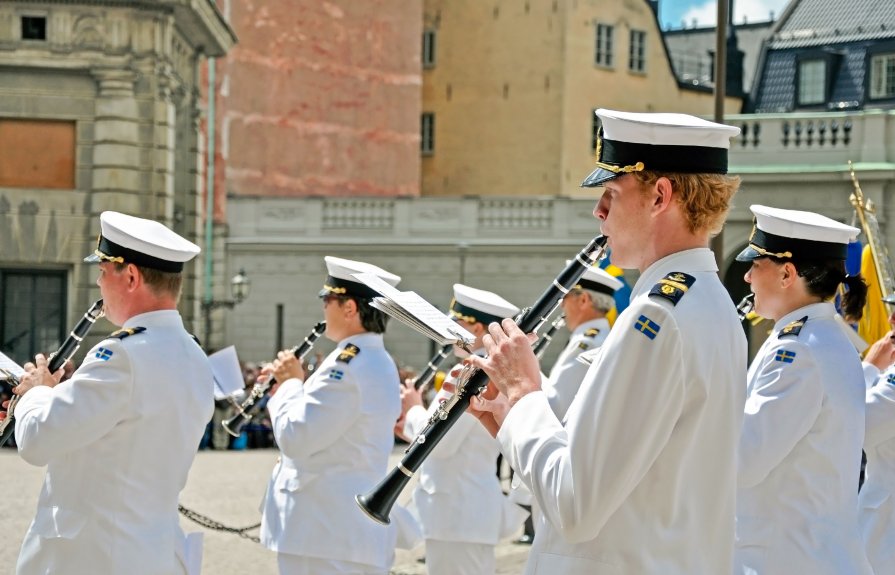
299 565
456 558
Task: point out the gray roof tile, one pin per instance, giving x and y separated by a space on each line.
817 28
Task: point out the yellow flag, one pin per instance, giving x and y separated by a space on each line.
617 272
874 323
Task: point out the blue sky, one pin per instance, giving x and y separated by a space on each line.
673 12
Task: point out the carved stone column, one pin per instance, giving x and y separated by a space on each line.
118 180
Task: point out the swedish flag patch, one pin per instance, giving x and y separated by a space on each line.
785 356
673 286
348 353
336 374
647 327
103 353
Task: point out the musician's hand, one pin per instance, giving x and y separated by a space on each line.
37 373
882 353
287 366
410 397
511 364
68 370
490 407
264 374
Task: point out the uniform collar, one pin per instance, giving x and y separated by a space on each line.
694 260
368 339
599 323
160 318
823 310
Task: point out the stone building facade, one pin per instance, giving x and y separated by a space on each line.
516 245
509 90
99 110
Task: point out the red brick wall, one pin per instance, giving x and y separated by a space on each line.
321 98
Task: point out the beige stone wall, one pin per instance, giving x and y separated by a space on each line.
514 86
496 92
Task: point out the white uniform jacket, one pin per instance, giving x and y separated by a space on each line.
118 439
800 451
335 432
641 478
876 504
872 373
568 373
459 497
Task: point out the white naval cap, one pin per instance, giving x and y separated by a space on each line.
599 280
676 143
793 234
479 306
341 281
142 242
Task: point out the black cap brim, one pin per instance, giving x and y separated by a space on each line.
747 255
92 259
597 178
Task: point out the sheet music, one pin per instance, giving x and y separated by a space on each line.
6 364
227 373
413 310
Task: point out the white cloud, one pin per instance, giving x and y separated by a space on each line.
752 10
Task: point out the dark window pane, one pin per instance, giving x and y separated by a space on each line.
34 28
32 313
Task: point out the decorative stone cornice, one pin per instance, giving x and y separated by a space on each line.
115 82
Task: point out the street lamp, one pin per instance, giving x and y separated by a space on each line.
240 285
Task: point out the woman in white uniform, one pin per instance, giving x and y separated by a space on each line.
334 432
800 450
876 505
461 507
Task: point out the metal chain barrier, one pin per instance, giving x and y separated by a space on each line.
210 523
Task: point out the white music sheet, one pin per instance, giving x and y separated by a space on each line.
414 311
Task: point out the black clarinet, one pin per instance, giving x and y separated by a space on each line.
57 360
251 405
425 379
378 503
545 340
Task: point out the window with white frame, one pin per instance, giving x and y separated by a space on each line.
427 134
812 81
882 76
603 54
637 51
428 48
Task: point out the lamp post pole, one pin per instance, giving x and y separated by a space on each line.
720 93
239 286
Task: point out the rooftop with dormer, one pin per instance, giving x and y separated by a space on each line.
828 55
